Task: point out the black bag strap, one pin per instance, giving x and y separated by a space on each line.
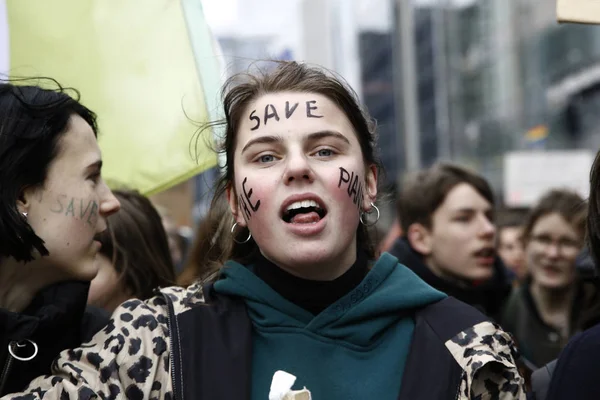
431 372
214 349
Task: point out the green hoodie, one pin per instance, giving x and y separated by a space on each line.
355 349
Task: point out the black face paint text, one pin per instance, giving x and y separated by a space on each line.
271 113
247 207
354 186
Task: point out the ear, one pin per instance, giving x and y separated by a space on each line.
420 239
234 206
26 197
370 194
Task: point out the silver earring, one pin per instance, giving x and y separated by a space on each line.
245 241
24 214
364 214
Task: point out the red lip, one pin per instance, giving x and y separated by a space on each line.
301 197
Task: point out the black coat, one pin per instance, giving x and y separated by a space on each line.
578 368
57 319
488 297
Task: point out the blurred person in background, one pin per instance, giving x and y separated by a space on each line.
390 237
510 243
209 239
174 239
54 205
575 374
447 217
134 258
549 306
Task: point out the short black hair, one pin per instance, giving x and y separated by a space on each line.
32 122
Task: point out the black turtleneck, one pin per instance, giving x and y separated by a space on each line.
313 296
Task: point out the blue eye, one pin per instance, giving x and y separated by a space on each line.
266 158
325 153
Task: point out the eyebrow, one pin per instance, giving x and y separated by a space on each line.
472 210
96 165
262 140
313 136
326 134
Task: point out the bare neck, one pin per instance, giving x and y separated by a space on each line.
19 282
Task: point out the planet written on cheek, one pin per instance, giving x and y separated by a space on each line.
271 113
352 184
77 208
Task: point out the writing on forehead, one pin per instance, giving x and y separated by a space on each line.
273 114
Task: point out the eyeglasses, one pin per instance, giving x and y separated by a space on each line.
563 244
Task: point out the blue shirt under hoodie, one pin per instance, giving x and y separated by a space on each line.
354 349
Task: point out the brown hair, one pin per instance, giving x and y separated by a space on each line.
214 243
136 242
424 192
566 203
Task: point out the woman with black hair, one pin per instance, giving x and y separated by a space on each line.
54 203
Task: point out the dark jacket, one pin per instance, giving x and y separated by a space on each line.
197 344
538 342
57 319
488 297
578 368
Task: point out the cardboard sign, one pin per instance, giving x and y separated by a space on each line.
581 11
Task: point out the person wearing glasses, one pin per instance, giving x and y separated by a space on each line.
550 307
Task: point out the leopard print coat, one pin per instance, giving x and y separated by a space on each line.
131 357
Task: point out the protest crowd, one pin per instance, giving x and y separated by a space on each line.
317 266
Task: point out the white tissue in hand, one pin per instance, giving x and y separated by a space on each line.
281 388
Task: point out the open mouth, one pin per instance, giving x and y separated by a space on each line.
487 252
304 212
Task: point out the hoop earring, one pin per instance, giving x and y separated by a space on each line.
13 345
238 242
363 214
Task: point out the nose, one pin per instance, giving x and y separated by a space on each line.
297 169
488 229
109 204
552 250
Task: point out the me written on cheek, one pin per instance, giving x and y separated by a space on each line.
352 184
289 109
78 208
245 200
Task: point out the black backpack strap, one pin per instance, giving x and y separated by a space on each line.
431 373
215 348
540 380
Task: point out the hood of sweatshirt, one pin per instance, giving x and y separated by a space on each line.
388 293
